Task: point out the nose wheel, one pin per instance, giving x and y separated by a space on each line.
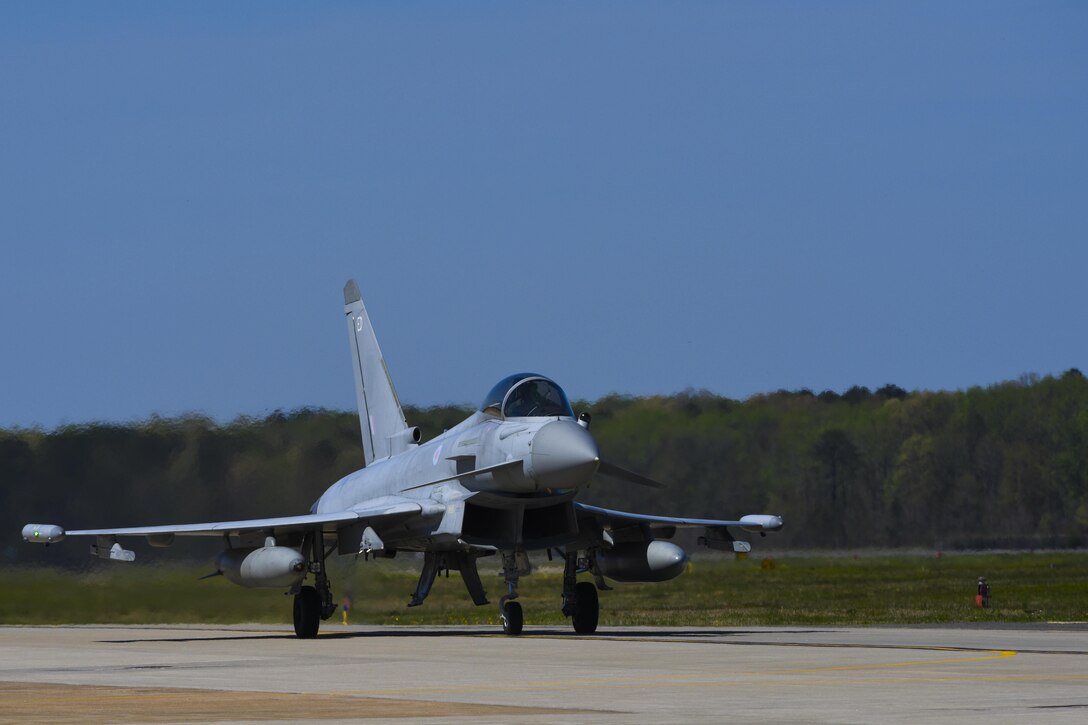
511 617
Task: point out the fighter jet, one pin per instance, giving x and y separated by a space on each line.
502 483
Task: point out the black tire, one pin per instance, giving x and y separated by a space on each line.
512 620
587 608
307 613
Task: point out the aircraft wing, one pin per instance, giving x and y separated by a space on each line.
384 507
624 526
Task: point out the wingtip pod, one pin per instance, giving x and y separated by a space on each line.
43 533
351 292
760 523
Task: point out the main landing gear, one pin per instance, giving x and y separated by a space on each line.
580 601
312 604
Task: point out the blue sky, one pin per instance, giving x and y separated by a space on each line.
629 197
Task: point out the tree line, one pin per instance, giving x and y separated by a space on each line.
998 466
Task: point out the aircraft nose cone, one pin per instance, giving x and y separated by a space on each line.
564 455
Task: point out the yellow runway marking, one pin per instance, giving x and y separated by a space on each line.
996 655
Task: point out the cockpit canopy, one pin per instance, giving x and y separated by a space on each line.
527 395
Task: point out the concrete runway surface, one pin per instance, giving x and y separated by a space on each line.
188 674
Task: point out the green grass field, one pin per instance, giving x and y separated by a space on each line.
714 592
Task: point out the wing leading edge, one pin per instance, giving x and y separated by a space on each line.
760 523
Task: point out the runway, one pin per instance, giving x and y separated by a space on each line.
113 674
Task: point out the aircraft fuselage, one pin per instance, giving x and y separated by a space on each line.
527 463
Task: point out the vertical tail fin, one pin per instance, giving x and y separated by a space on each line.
380 415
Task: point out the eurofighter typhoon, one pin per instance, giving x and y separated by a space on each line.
503 483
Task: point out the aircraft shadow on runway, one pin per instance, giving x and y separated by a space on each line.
446 632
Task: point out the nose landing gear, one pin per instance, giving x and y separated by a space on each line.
514 563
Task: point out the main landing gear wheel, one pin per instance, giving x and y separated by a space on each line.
307 613
587 610
511 618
